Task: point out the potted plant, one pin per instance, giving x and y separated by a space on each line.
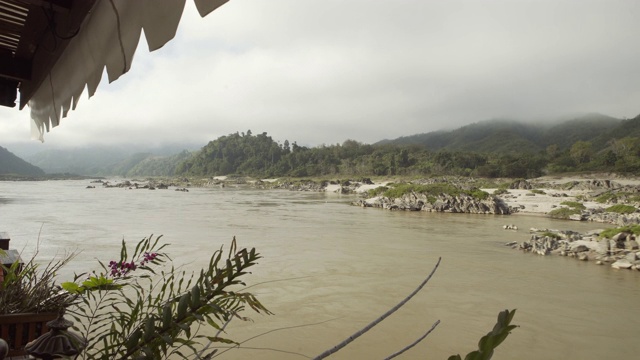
29 298
135 307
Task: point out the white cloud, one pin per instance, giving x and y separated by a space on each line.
325 71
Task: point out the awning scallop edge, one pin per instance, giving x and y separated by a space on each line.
107 39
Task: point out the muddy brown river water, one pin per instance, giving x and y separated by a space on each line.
330 268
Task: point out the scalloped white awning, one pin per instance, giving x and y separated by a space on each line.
107 38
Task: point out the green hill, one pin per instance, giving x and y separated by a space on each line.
11 164
510 136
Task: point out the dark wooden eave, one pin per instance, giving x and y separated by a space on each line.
33 35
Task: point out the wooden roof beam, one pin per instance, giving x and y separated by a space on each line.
55 5
16 69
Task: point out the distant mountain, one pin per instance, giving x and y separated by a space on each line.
110 161
11 164
512 136
626 128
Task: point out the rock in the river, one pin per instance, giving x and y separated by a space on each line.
461 203
576 217
622 264
583 247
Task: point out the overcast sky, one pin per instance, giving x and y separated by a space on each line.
325 71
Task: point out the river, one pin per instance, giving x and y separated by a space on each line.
339 267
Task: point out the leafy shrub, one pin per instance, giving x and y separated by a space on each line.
432 190
377 191
550 234
574 205
160 310
606 197
538 191
478 194
563 213
609 233
621 209
398 190
500 191
29 288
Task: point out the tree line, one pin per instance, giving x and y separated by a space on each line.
261 156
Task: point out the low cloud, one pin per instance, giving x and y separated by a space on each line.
324 71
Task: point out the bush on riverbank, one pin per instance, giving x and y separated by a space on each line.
500 191
573 208
621 209
564 213
609 233
614 197
574 205
431 190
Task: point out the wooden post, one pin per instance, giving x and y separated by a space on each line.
7 257
4 245
4 240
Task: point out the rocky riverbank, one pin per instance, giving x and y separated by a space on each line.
620 251
580 199
576 199
442 202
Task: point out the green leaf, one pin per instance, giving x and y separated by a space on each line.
71 287
221 340
495 337
149 329
182 306
195 297
133 340
167 339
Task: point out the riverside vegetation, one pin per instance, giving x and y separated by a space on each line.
261 156
491 149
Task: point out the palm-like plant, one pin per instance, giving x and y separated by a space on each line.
139 308
30 288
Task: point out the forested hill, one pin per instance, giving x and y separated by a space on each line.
512 136
489 149
11 164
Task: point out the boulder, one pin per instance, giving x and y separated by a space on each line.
631 245
520 184
603 247
619 237
580 248
585 245
622 264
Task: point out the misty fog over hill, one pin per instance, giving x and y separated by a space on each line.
502 135
485 144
